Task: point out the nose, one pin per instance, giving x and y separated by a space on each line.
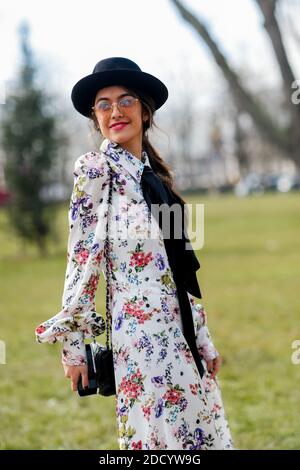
115 111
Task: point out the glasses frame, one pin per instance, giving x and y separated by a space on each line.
94 108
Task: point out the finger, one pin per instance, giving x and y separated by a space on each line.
219 361
216 367
85 379
209 366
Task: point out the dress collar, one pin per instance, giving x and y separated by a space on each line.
123 157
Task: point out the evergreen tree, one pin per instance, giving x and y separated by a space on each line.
30 141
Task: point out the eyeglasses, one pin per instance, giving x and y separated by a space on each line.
103 107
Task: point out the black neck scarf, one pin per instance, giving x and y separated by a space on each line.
183 263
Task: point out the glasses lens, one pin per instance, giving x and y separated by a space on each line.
103 106
127 102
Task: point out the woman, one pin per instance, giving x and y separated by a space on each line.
163 400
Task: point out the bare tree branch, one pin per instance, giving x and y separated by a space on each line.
286 139
289 13
271 25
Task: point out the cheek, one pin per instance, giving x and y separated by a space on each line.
137 122
103 124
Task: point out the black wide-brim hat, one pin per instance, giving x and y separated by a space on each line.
116 71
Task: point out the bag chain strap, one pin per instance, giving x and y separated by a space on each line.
106 253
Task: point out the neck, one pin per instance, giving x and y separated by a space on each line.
133 147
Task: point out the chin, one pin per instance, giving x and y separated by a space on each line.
121 137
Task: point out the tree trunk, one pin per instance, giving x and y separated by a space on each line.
271 25
285 139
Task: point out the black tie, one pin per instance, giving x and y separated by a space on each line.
183 263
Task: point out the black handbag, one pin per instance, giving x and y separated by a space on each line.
100 363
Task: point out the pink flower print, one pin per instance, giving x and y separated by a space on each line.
172 396
194 388
216 408
132 386
91 286
135 311
40 329
139 260
98 258
136 445
82 257
147 412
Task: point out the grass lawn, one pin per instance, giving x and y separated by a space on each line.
249 279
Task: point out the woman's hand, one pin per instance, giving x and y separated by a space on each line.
74 373
213 366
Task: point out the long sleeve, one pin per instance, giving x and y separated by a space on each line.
204 342
78 318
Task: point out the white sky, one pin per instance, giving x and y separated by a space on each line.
70 37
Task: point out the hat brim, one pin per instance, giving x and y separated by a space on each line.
84 91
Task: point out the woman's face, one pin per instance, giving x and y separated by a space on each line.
128 135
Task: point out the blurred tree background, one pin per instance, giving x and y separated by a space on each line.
31 141
233 140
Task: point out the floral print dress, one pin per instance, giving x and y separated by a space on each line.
161 400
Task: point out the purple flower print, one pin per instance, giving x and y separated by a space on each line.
159 408
162 355
122 410
199 436
158 381
74 210
119 320
165 306
95 248
93 173
123 266
182 404
159 261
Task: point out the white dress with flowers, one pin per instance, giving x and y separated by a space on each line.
161 400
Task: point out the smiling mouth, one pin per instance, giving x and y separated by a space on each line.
119 126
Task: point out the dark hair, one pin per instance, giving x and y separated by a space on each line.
160 167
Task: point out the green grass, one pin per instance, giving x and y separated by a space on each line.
249 279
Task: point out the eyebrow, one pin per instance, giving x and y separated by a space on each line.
118 97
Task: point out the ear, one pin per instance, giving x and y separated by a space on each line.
145 116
